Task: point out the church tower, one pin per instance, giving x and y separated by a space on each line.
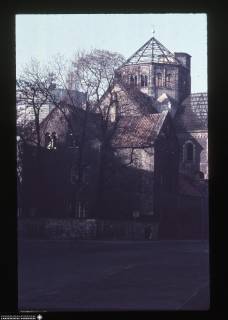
155 71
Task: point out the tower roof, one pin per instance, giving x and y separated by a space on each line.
152 52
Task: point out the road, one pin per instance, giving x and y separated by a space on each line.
113 275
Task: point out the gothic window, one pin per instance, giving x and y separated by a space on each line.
159 80
168 80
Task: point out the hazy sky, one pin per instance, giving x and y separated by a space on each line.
42 36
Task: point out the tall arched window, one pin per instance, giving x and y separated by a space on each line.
168 80
143 80
188 151
133 81
146 81
159 79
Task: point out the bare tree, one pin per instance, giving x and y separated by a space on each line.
31 96
94 74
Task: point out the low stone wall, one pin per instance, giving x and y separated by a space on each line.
57 228
86 229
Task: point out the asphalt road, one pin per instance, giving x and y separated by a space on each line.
113 275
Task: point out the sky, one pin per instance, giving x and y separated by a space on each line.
42 36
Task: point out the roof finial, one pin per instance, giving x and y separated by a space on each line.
153 30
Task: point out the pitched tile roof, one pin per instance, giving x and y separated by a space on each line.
193 112
138 131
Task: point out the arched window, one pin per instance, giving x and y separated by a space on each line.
132 81
159 79
188 151
143 80
146 81
168 80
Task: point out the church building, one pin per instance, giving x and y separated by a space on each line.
155 168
